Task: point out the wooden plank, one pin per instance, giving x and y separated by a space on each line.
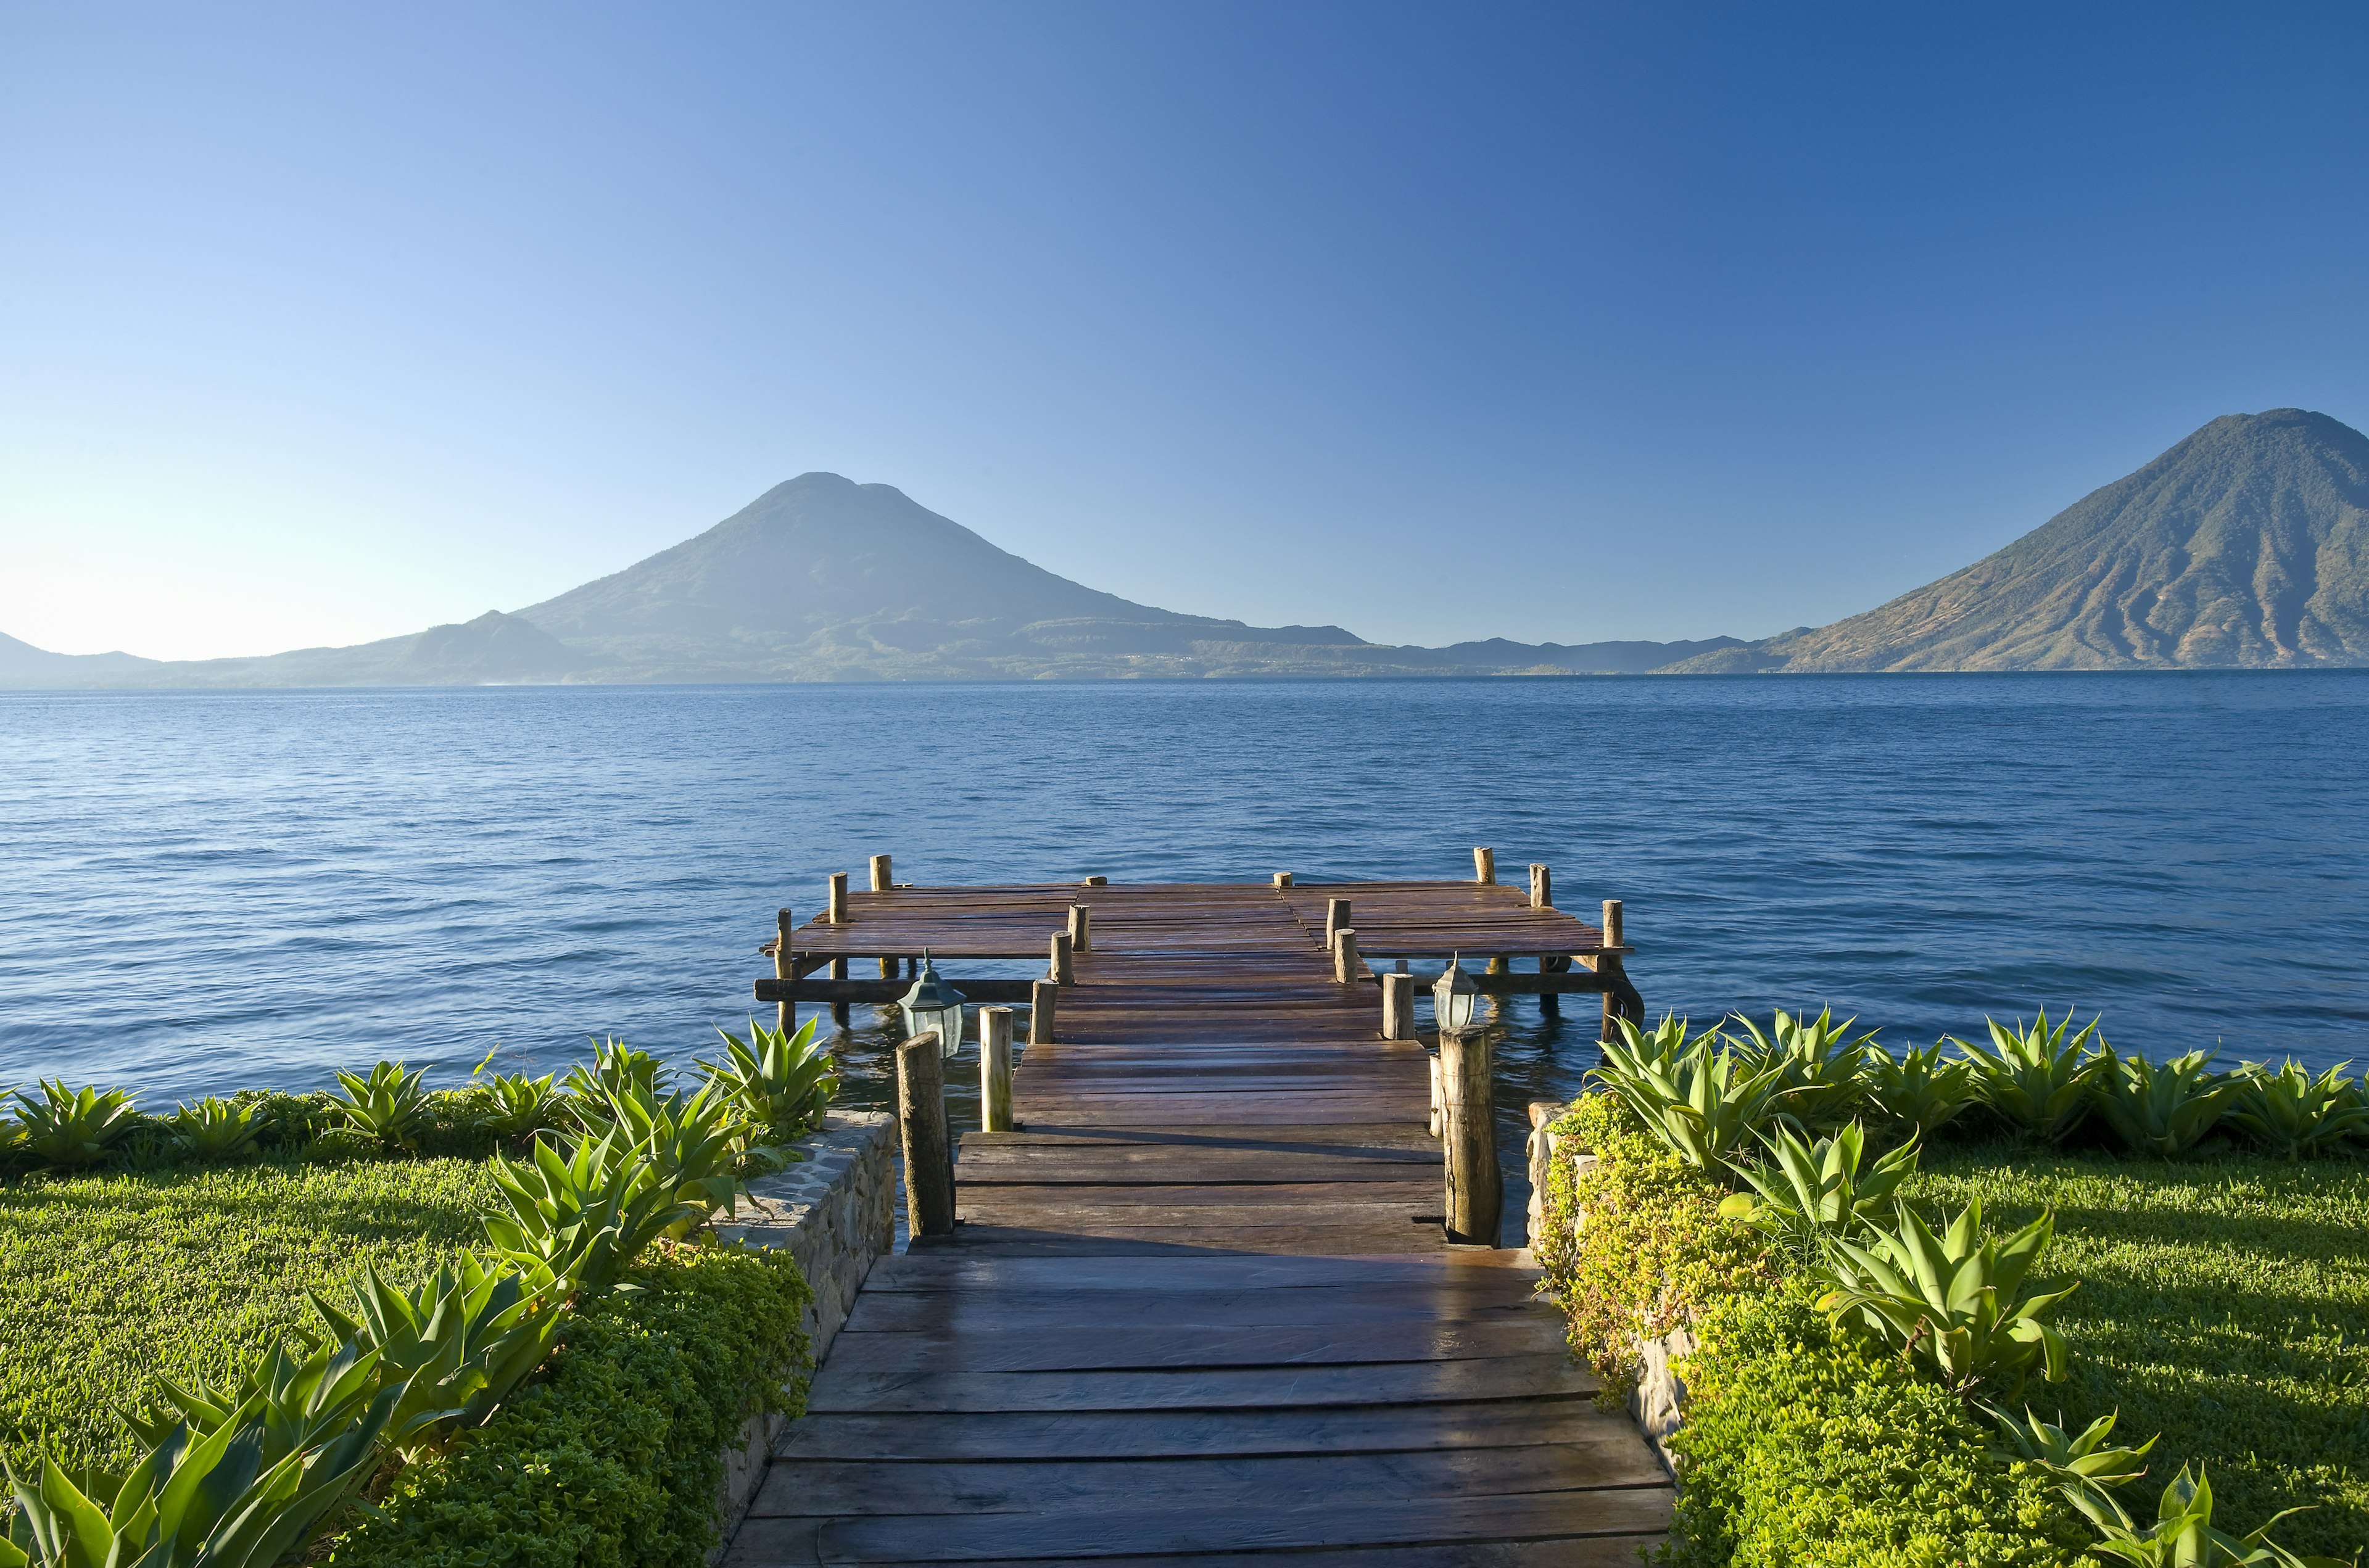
809 1487
1595 1552
1500 1377
1076 1347
1103 1531
913 1271
884 1311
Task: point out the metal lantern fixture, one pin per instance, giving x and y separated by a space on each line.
933 1005
1452 996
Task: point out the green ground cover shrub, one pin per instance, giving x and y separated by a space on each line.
613 1459
1804 1446
2224 1304
108 1280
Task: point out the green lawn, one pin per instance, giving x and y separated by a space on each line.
107 1280
2224 1303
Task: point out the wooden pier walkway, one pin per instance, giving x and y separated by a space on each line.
1199 1306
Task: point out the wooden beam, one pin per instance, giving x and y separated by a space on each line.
995 1069
922 1125
1476 1188
794 991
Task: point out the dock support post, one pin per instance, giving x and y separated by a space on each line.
1348 968
995 1069
1095 882
1398 1007
1283 878
1058 970
1336 915
1550 1004
1081 928
922 1125
837 914
785 1017
1541 887
1438 1105
881 884
1621 1000
1485 866
1041 997
1476 1188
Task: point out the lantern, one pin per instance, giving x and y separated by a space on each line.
1452 997
933 1005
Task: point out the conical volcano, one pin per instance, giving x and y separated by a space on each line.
2246 545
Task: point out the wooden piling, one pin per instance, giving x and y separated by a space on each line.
1438 1109
995 1069
836 911
1485 866
1541 887
1059 971
1095 882
838 971
1081 928
785 1017
1398 1006
922 1124
1283 878
1476 1188
1614 937
1041 999
880 883
1620 1000
1336 915
1348 968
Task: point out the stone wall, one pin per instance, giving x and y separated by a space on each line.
835 1213
1658 1401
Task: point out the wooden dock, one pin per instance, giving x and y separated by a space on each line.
1199 1305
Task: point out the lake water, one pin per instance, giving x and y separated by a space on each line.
210 890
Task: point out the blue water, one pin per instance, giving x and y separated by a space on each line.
209 890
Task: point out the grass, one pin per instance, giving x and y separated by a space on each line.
2224 1303
108 1280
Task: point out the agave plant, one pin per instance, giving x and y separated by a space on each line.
2160 1108
72 1128
2034 1077
520 1105
2295 1116
781 1081
1821 1072
2084 1467
389 1104
2182 1535
249 1489
215 1129
1954 1302
574 1223
1811 1194
1702 1104
1920 1087
457 1345
699 1144
616 1068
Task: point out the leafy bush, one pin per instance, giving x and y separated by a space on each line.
2033 1079
68 1129
1918 1089
783 1082
2161 1107
2295 1115
388 1105
1956 1303
1803 1445
1702 1104
1810 1195
1634 1243
612 1459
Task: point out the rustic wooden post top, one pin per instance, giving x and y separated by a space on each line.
1613 934
1485 866
837 908
1283 878
1060 972
1336 915
1042 996
880 883
1081 935
1095 882
1541 887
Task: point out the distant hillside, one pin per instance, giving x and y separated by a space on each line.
2246 545
22 664
824 579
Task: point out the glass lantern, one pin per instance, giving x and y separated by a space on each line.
1452 997
933 1005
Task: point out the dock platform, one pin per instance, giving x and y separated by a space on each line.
1199 1306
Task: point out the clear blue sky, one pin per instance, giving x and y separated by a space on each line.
322 323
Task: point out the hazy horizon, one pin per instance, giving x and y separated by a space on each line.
1549 324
